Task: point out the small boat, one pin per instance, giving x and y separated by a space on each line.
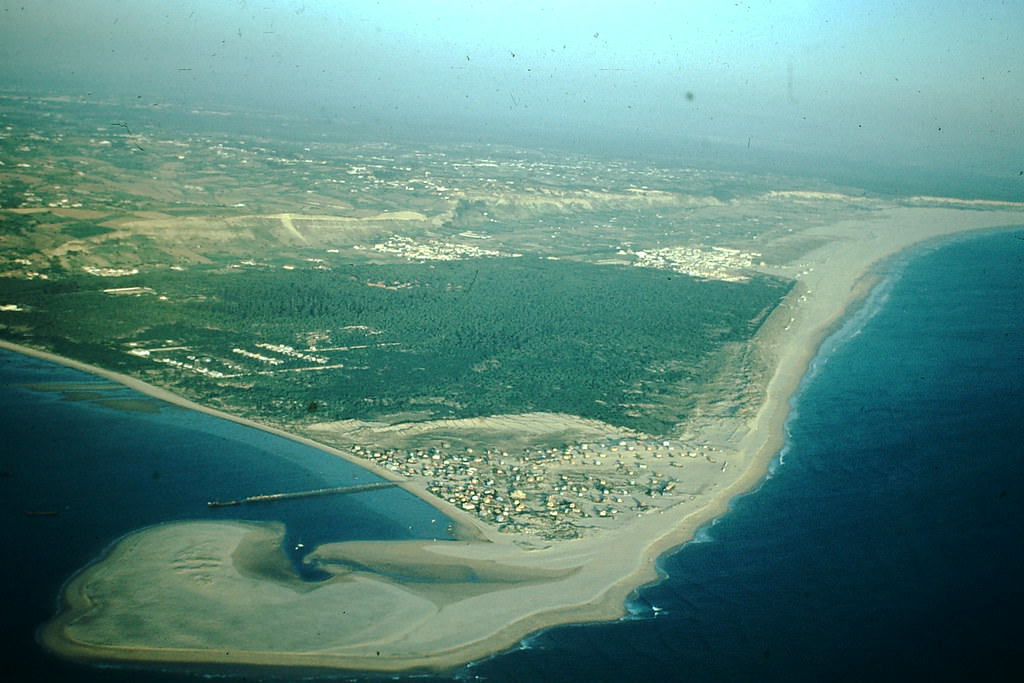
42 513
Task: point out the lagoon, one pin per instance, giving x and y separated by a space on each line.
86 461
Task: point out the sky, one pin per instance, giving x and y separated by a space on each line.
924 82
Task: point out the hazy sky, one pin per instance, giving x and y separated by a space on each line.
929 81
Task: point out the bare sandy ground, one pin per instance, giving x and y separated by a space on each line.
218 592
528 430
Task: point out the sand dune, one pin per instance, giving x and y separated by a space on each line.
512 431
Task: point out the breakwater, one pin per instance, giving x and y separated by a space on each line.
292 495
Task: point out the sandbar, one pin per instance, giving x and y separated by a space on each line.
220 592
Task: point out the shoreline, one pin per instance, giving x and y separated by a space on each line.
606 568
454 514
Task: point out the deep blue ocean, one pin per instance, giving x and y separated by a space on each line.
887 544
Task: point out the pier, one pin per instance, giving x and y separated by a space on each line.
292 495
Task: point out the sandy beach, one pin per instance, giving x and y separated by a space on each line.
222 592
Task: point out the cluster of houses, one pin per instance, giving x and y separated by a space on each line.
714 263
554 491
434 250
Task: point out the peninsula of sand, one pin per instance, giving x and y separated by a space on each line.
224 593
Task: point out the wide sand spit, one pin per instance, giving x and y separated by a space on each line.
223 592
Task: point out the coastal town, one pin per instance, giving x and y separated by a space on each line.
714 263
559 492
436 250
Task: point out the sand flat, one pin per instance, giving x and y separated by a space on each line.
484 596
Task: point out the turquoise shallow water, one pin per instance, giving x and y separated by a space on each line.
886 545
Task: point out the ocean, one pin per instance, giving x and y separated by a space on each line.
885 544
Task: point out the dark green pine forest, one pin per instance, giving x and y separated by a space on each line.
458 339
